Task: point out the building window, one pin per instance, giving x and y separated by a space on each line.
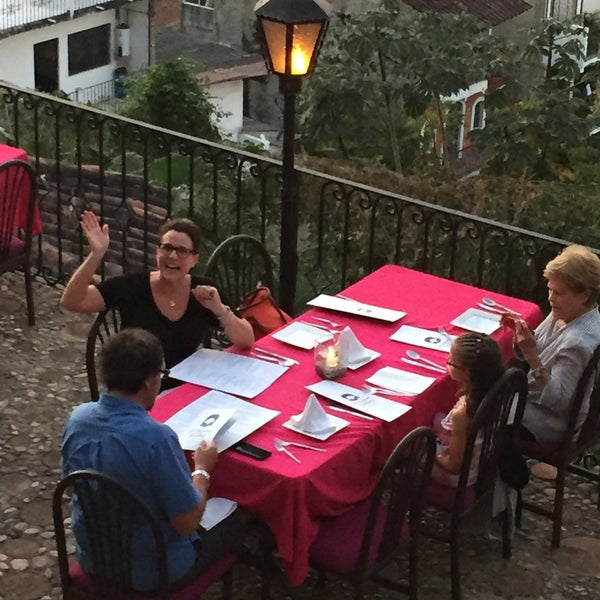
478 115
89 49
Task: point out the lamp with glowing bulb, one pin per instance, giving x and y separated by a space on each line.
291 32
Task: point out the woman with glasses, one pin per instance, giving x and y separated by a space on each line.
179 308
476 362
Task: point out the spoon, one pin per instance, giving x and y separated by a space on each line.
416 356
492 302
279 446
284 362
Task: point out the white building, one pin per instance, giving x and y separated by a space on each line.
69 45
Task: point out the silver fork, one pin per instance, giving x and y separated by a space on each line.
298 444
372 389
279 446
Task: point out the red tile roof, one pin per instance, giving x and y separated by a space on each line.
491 12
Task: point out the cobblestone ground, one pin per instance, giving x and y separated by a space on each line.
42 377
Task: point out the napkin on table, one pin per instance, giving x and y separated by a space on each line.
351 350
313 419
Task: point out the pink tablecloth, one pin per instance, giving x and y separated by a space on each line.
291 497
10 153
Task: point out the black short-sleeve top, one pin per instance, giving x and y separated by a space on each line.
131 294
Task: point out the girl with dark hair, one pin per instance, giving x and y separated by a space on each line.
475 361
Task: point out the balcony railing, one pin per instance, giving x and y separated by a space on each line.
134 175
15 14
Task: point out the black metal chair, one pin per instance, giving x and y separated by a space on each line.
15 239
578 439
491 430
111 514
107 323
362 541
237 266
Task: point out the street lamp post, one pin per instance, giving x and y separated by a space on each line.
292 32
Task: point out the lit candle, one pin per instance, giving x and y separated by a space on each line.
331 360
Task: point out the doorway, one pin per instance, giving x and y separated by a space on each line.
45 65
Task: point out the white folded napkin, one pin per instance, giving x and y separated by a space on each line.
313 419
351 350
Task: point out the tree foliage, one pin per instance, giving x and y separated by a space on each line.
380 69
170 95
531 131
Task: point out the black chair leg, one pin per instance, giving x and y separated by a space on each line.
29 296
519 511
455 566
558 506
506 539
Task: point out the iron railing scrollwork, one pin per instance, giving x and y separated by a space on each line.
135 175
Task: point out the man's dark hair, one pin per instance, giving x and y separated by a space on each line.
128 358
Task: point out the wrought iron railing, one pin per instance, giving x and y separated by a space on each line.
105 95
135 175
15 14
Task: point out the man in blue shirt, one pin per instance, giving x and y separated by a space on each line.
117 436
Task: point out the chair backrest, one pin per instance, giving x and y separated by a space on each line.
17 205
111 513
238 265
490 429
399 493
582 428
107 323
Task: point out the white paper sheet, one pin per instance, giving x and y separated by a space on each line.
400 381
228 372
216 510
424 338
205 426
247 418
354 307
371 404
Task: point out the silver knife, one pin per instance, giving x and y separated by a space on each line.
274 354
350 412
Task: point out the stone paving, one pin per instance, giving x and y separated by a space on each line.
42 374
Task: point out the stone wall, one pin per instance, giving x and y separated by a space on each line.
124 203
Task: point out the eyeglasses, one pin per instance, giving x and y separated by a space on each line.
181 251
164 373
453 364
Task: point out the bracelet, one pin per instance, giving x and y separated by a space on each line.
202 472
227 312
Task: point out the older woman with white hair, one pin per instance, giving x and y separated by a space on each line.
562 345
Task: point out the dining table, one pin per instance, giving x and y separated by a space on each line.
293 497
22 205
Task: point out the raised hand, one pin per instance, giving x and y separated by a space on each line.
98 237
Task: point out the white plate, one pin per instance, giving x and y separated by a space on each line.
337 421
300 335
373 354
477 320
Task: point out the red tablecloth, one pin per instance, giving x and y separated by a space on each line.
291 497
9 153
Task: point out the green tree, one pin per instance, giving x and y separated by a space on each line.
539 116
380 68
171 95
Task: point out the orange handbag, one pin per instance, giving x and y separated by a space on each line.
261 310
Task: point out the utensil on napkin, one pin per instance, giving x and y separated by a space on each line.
313 419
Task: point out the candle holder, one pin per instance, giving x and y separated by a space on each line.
328 363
